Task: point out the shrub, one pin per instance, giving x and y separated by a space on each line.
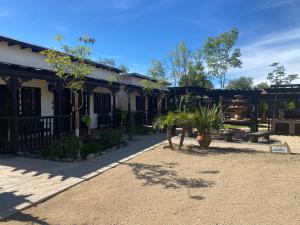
91 147
64 148
140 131
111 137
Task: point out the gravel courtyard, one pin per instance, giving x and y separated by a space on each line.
220 186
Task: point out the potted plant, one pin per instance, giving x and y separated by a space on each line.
206 120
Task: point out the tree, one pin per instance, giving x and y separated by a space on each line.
112 62
71 65
278 76
180 61
124 68
220 55
196 76
242 83
262 85
107 62
158 72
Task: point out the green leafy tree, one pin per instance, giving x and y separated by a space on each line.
196 76
71 64
124 68
278 76
242 83
220 55
107 61
180 60
262 85
158 72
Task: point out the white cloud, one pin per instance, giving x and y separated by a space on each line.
264 5
133 8
283 47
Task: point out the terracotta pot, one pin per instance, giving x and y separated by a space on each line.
204 140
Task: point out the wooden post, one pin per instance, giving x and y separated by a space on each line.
14 84
253 116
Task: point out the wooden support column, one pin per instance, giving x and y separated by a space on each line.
57 88
14 84
270 108
88 89
114 92
254 112
129 114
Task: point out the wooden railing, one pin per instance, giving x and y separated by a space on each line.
33 133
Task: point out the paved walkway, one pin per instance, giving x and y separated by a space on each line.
26 181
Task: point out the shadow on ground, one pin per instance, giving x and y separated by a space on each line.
20 170
9 200
197 150
164 174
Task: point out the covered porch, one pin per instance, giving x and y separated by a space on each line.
36 108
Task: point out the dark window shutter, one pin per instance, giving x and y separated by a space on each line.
137 102
97 103
37 102
109 103
4 100
143 103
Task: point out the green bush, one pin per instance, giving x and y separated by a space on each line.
91 147
64 148
111 137
140 131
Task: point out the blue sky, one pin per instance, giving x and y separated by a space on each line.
134 32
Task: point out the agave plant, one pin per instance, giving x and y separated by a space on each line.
208 119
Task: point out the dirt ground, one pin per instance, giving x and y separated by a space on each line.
219 186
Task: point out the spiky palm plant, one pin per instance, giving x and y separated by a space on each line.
208 119
172 119
168 121
184 120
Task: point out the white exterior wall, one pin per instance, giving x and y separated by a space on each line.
47 98
2 81
25 57
121 100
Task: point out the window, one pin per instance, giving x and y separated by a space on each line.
140 103
5 103
30 101
102 103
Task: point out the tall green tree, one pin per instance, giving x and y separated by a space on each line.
262 85
71 65
242 83
220 55
180 59
278 76
157 71
196 76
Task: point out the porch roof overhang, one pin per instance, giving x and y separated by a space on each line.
28 73
37 49
213 92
